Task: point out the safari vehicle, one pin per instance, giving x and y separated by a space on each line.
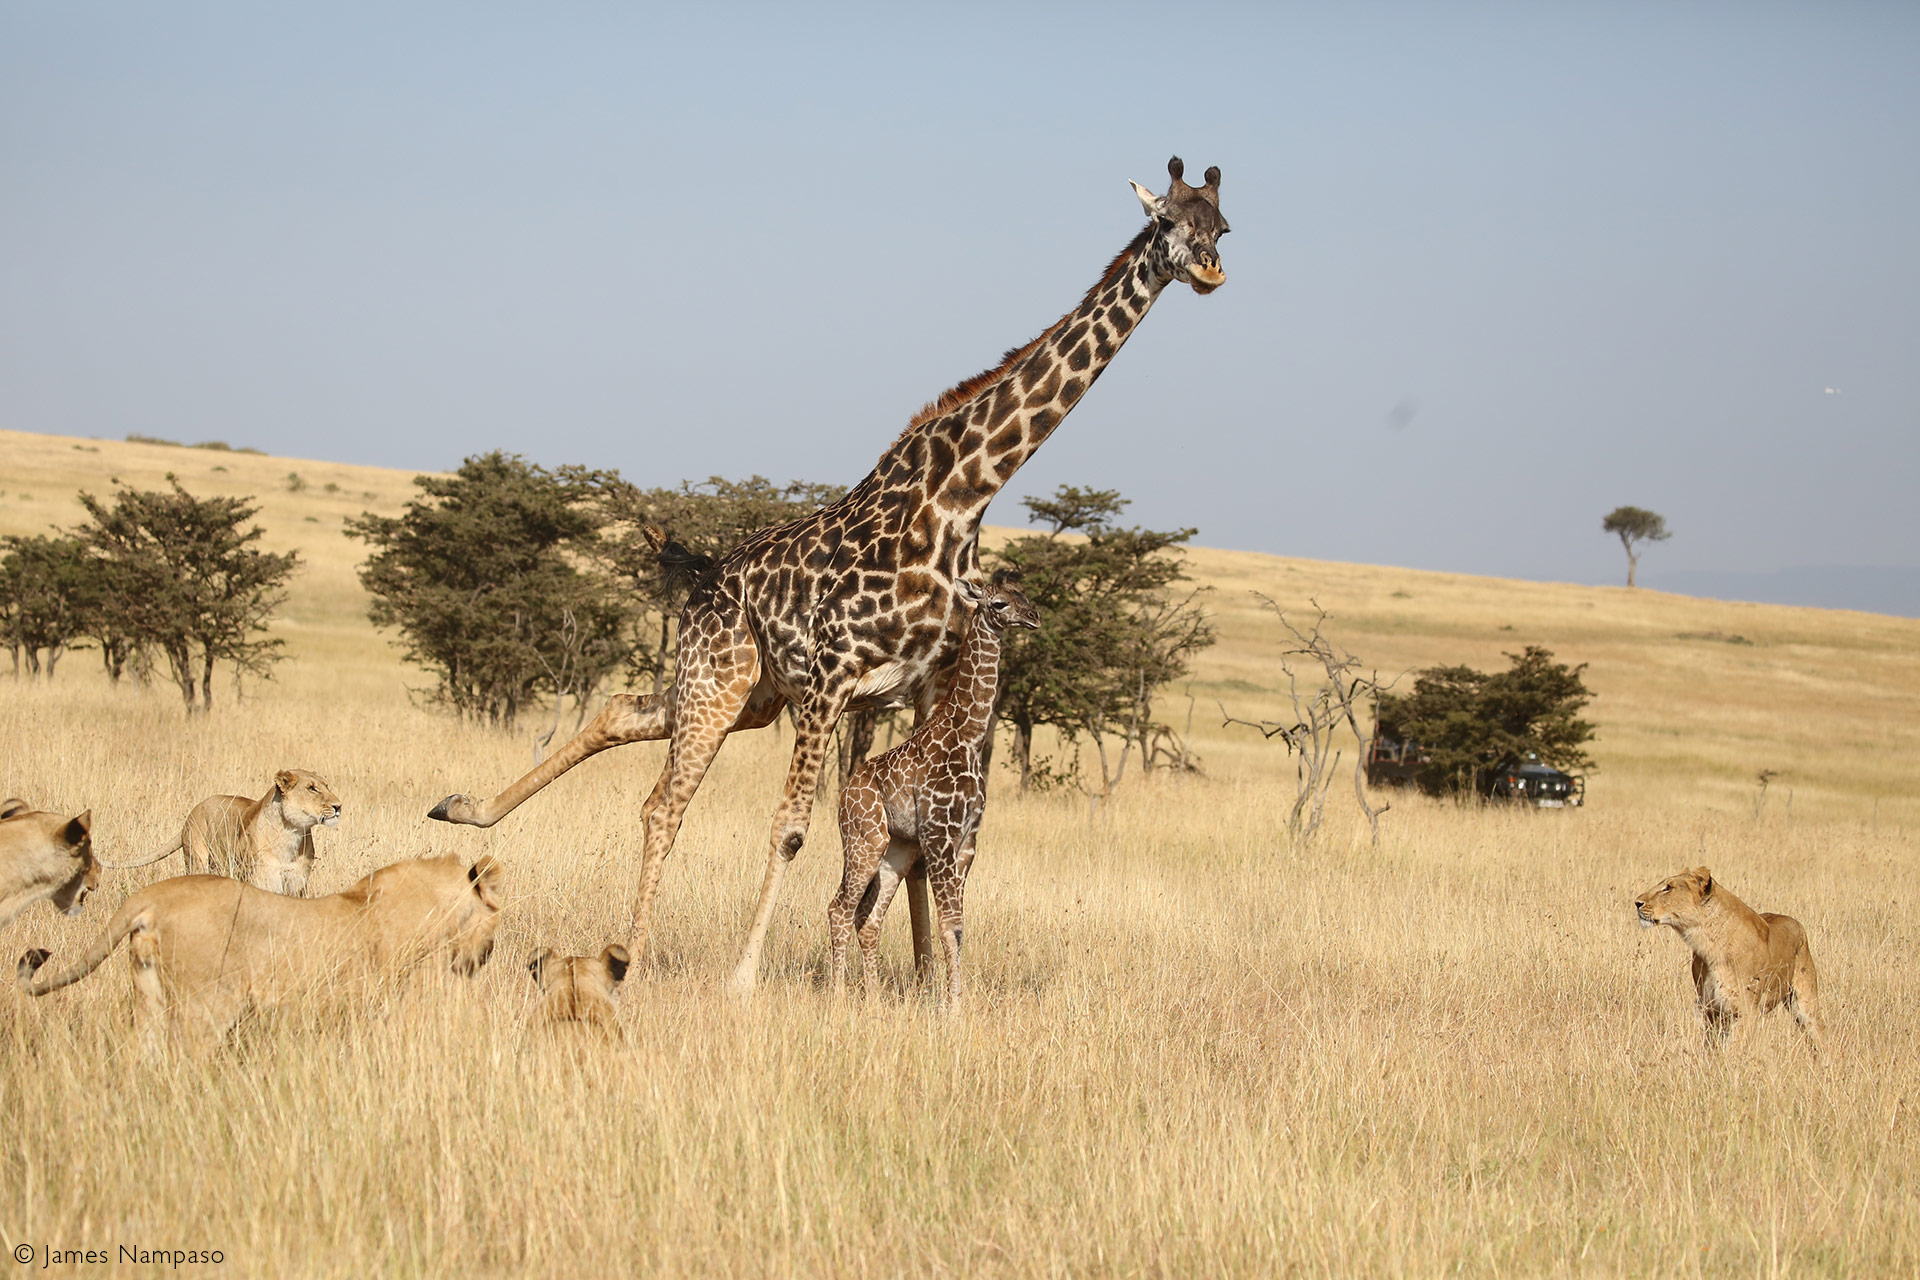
1393 762
1530 781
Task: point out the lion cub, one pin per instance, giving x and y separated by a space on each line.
266 842
206 949
579 988
43 855
1743 962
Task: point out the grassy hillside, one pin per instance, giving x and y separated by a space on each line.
1190 1049
1693 697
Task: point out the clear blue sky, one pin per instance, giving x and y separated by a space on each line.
1494 269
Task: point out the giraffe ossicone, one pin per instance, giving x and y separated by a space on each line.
858 606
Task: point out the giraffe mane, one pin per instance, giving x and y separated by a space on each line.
963 392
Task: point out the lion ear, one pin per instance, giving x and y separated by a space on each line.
78 829
1705 877
485 875
537 966
615 958
284 781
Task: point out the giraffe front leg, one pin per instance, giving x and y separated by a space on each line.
812 736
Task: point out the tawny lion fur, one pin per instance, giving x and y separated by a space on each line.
43 855
266 842
1744 963
579 988
206 950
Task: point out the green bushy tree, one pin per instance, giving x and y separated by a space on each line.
496 580
1467 722
1116 628
179 576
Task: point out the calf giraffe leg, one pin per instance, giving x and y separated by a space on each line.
813 734
922 923
863 837
901 856
945 844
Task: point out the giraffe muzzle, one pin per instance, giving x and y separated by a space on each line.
1205 278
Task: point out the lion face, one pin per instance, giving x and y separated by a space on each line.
1675 901
48 856
579 988
306 799
472 942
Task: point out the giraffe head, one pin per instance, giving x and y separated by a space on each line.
1190 226
999 604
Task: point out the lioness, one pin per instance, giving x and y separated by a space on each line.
266 842
207 949
43 855
1743 962
579 988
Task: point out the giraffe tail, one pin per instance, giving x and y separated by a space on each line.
677 560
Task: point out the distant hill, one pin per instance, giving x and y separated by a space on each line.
1889 589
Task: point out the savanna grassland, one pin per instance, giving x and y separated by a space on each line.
1189 1049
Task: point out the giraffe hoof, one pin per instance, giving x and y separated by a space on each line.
455 808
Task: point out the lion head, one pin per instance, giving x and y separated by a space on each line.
306 800
1676 900
579 988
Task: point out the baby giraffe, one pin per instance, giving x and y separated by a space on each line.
922 800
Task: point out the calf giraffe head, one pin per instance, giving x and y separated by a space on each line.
1191 226
999 603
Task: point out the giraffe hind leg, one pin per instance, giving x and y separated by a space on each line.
626 718
863 836
719 672
813 731
901 857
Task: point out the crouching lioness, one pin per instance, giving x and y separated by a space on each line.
579 988
43 855
206 949
1743 962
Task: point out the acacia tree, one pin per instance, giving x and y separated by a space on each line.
1467 722
1633 526
496 581
46 595
1115 629
184 579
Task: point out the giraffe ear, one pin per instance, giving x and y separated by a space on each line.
1153 204
968 590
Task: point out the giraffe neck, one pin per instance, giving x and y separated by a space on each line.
962 449
976 681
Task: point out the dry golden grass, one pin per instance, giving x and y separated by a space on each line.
1189 1048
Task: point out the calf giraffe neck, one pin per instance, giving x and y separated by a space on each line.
854 606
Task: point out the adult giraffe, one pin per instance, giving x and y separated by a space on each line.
854 606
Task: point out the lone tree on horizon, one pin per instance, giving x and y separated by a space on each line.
1635 525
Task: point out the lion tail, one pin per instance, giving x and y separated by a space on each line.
147 861
36 980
